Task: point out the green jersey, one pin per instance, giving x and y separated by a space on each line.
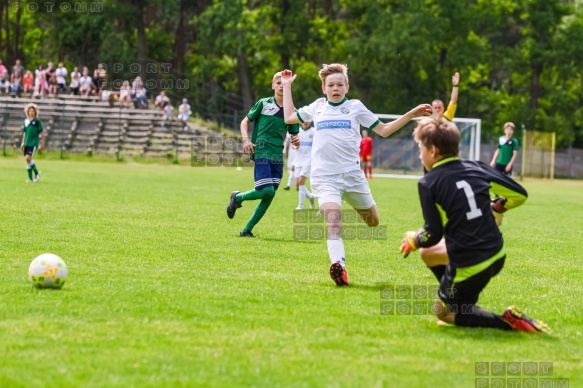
32 130
507 148
269 129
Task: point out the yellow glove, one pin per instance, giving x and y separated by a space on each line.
408 244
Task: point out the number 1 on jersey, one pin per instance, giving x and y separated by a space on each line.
474 211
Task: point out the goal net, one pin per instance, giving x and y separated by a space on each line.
538 154
399 154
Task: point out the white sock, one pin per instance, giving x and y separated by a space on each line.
302 196
336 251
291 178
29 165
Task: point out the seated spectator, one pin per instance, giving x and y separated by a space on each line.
19 67
75 81
184 113
3 68
162 100
141 99
125 98
27 82
53 85
4 83
86 83
99 77
16 81
168 114
137 85
49 71
61 73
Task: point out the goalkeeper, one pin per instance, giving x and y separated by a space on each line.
455 202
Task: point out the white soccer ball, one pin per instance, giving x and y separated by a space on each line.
47 271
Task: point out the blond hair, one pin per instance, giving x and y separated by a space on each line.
28 106
334 68
276 76
509 124
441 133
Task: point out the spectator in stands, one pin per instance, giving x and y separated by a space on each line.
19 67
86 83
4 83
16 81
40 82
137 85
162 100
75 81
53 85
3 68
99 77
27 82
61 73
168 114
49 73
184 113
125 97
141 99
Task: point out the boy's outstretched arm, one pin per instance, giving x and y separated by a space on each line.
386 129
289 110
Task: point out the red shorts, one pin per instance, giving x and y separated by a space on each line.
365 158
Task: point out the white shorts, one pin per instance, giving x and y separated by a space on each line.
351 187
302 171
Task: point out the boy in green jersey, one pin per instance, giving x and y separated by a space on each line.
507 151
32 134
265 148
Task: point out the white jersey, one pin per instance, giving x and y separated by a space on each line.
304 154
291 152
336 146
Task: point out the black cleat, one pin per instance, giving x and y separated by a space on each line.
286 188
233 205
246 233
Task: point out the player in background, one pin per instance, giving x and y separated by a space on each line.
336 173
290 151
456 207
266 149
303 164
438 106
32 134
507 151
366 153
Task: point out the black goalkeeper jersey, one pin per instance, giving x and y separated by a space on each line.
455 199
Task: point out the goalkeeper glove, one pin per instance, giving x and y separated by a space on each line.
408 244
498 205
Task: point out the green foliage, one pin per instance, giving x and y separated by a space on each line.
519 60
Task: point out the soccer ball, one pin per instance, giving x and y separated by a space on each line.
47 271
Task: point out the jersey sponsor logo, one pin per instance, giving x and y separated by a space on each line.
270 109
333 124
306 143
345 111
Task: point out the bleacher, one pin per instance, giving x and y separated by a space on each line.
87 125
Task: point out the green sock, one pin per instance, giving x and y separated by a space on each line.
258 213
251 195
29 171
266 195
33 168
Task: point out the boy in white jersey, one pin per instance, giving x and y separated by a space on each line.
336 173
303 164
290 152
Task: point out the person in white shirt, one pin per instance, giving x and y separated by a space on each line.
75 83
61 73
303 164
290 152
184 113
336 173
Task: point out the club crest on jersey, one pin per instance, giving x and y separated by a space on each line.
345 111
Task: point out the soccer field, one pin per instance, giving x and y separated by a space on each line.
162 291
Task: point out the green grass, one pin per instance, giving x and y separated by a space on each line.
162 291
